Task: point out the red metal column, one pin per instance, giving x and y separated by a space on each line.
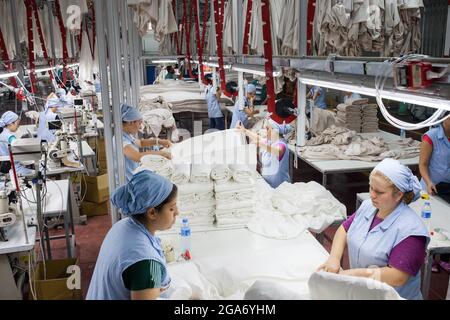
29 8
188 20
62 29
174 8
219 11
197 39
267 36
246 48
309 32
5 58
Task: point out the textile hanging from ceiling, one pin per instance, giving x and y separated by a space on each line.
352 27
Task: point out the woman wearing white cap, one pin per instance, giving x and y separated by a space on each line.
49 115
274 153
386 239
131 122
241 112
9 123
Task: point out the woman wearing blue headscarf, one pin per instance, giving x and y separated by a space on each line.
274 153
131 262
9 123
131 122
385 233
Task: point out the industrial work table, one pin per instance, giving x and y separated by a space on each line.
327 167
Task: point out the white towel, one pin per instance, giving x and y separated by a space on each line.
235 196
157 164
243 173
181 173
232 186
200 173
221 173
235 205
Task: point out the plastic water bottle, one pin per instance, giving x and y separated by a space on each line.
185 239
426 216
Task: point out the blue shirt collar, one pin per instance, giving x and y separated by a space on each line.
389 220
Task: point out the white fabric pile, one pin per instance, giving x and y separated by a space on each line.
221 173
350 115
348 27
178 96
181 173
369 118
154 121
158 164
308 203
196 202
235 203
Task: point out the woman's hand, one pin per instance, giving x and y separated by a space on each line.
165 154
332 265
165 143
431 189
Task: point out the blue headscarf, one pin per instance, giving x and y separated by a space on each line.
7 118
250 88
283 129
145 190
130 113
400 175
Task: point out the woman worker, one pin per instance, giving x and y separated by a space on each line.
434 161
215 115
48 115
241 112
385 233
131 263
131 122
9 123
274 153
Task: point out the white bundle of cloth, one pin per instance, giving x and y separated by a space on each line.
181 173
369 118
333 135
154 120
308 203
196 202
221 173
158 164
200 173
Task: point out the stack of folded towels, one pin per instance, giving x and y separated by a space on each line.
196 202
158 164
350 115
369 121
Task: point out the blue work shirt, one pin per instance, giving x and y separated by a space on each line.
7 137
320 101
239 114
439 164
371 248
213 104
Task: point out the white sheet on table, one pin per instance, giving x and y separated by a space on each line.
329 286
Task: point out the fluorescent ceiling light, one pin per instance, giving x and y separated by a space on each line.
216 65
260 72
390 95
165 61
8 75
43 69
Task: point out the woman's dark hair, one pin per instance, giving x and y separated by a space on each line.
171 196
170 69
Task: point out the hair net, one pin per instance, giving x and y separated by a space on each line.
130 113
400 175
54 103
61 92
250 88
7 118
283 129
145 190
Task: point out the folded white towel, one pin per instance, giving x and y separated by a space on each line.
243 173
235 205
221 173
200 173
181 173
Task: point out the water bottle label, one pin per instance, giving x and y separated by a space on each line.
426 214
185 232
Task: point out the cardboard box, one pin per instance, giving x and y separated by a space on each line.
96 189
102 165
92 209
54 286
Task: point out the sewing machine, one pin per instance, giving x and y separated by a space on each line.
7 212
59 153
